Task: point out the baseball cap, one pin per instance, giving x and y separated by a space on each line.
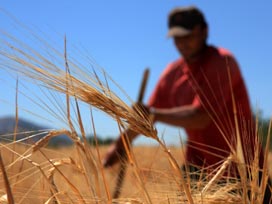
182 20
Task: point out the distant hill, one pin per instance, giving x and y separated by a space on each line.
27 128
7 124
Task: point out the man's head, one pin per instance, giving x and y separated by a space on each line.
189 29
182 20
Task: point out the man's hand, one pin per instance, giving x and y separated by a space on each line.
117 150
116 153
141 109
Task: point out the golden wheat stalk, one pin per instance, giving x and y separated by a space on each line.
64 161
44 141
6 181
53 77
72 186
218 174
4 199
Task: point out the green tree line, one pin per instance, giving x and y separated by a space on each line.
264 131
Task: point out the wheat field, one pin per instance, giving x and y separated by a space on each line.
29 186
33 179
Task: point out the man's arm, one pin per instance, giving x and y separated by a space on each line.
185 116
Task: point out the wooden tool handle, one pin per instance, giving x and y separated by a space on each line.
123 166
143 85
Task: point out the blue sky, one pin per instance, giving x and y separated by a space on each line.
125 37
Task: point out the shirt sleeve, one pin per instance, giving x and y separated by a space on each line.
158 98
154 98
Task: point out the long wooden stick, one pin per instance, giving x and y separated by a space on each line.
123 165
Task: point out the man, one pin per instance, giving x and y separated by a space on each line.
204 93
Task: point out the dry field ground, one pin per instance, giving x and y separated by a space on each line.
35 178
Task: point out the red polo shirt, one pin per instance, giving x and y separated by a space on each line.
207 85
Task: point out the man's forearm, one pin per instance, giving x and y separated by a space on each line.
187 117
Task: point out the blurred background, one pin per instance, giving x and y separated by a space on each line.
123 38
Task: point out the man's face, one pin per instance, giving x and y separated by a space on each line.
190 45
